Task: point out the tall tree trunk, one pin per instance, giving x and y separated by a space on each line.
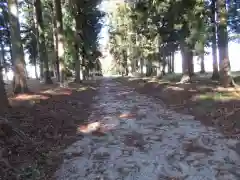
3 95
169 64
224 63
164 63
35 66
149 68
20 77
60 40
83 65
141 66
125 63
79 38
173 61
35 69
42 45
215 74
159 72
77 65
36 34
202 71
36 37
187 62
3 60
55 41
41 67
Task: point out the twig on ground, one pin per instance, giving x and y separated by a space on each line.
229 114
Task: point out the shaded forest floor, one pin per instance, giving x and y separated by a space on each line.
39 125
203 98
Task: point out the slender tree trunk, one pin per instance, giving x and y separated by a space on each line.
202 71
42 45
60 40
20 77
125 63
159 72
55 41
187 63
215 74
224 63
35 69
36 34
3 95
41 66
35 65
169 64
149 68
164 63
141 66
77 65
173 61
3 61
83 66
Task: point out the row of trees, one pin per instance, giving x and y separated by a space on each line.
153 30
58 36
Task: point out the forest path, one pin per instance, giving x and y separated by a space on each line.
131 136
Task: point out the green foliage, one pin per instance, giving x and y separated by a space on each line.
90 19
161 25
234 15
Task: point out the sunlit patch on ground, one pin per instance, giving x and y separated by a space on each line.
82 89
217 96
127 115
34 98
124 93
103 126
25 97
175 88
89 128
58 91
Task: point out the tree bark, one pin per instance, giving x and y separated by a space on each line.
141 66
187 63
3 95
42 45
202 71
173 61
55 40
164 63
149 68
77 66
35 69
36 34
215 74
169 64
159 71
224 63
20 77
60 40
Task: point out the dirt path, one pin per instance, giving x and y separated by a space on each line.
137 138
